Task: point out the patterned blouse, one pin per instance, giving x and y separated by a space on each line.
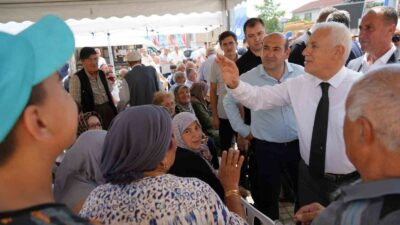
165 199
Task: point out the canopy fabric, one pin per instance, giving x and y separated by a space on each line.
130 30
32 10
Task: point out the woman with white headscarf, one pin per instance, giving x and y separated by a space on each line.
189 161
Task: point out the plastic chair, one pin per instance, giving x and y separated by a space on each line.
252 213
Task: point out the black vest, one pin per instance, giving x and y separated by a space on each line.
87 99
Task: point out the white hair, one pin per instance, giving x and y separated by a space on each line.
339 35
377 97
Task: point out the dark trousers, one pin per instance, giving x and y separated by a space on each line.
107 114
270 158
321 190
226 134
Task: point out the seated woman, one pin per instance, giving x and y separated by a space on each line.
182 99
138 151
79 172
89 121
165 99
189 162
198 93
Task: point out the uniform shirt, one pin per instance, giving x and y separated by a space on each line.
303 94
273 125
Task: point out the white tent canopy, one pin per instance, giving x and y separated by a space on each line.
130 30
31 10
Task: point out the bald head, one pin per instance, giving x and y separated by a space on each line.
277 35
376 97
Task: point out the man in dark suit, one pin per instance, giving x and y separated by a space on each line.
376 31
139 84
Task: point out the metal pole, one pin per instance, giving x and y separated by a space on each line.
110 53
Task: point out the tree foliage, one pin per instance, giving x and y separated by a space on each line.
294 18
270 14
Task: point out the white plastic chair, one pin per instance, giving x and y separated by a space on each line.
252 213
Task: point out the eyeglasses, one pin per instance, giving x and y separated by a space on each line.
396 38
94 125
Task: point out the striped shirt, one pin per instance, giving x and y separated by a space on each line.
374 202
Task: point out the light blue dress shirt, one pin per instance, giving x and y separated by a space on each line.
274 125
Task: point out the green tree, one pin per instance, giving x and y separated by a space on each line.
270 14
294 19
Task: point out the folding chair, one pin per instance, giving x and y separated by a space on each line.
252 213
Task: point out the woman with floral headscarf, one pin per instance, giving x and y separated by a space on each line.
138 151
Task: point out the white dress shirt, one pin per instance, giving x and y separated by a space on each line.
361 64
303 94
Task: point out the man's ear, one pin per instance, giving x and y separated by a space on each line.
339 51
367 135
32 119
287 52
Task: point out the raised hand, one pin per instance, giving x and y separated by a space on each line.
230 72
229 170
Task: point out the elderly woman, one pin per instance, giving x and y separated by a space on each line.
89 121
166 100
138 151
79 172
198 93
189 161
182 99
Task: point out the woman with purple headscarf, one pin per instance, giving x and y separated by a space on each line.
138 151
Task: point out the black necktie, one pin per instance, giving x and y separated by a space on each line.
319 134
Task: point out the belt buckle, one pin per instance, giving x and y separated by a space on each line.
334 177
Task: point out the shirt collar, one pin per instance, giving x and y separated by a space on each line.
372 189
335 81
383 59
288 71
90 76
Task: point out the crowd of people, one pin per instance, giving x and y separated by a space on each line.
315 119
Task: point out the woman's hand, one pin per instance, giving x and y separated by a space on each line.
229 170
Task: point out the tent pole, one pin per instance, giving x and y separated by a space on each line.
110 53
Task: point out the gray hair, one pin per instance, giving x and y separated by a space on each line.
341 16
339 35
377 97
179 75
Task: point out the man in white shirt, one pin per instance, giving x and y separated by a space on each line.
326 83
376 31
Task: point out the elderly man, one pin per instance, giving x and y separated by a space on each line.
191 75
318 100
376 31
372 134
274 131
205 68
139 84
38 120
297 47
90 89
